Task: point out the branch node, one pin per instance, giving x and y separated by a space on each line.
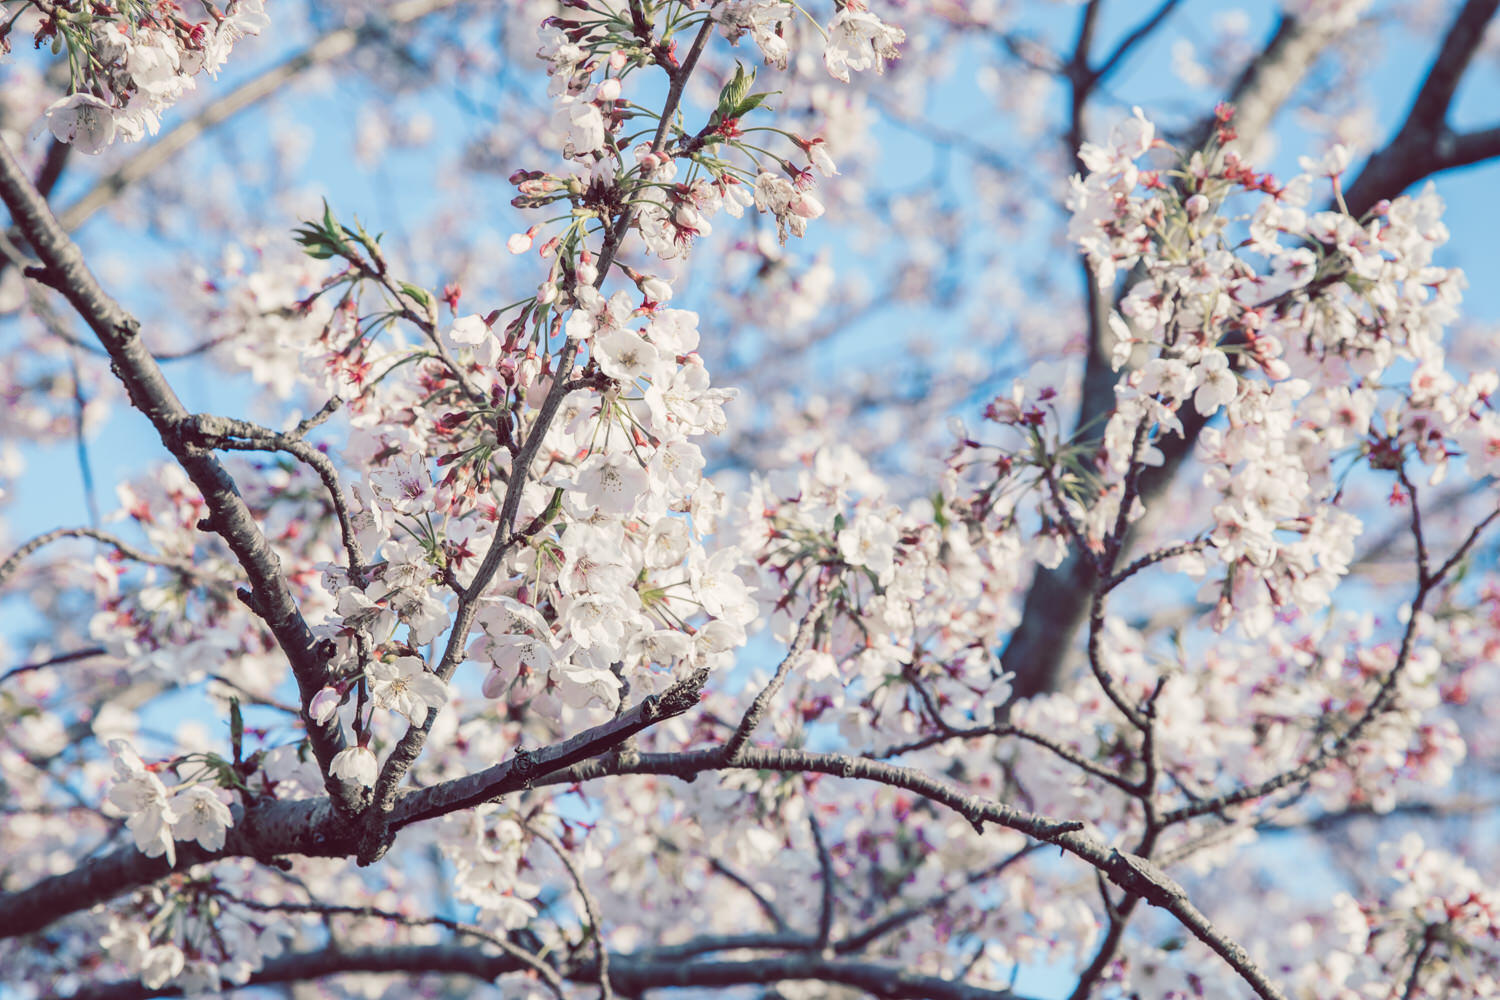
375 837
975 815
523 766
248 599
44 274
1139 877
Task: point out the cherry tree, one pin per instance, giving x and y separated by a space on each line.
671 551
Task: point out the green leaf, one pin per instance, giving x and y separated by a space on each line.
734 92
314 244
330 226
554 507
749 104
938 514
420 294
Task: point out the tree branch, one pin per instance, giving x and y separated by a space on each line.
239 435
308 827
1139 34
825 868
149 392
315 828
1379 702
902 917
410 745
627 975
311 827
757 710
14 560
524 769
1425 145
1056 605
1134 874
590 908
1429 938
531 961
52 661
761 901
331 46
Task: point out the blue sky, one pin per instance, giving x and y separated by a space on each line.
393 197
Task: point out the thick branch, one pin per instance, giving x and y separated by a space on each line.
626 975
312 827
307 827
316 827
1425 145
1056 606
1135 875
150 393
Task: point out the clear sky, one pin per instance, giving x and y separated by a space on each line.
404 185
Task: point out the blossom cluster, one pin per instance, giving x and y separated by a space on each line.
1293 332
916 595
503 528
133 61
158 819
1432 911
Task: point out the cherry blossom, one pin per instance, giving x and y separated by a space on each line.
406 687
558 580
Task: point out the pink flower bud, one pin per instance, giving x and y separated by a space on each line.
521 242
807 206
495 684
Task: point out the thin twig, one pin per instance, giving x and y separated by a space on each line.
825 866
590 907
14 560
407 749
766 906
53 661
1429 938
1134 38
240 435
80 443
757 710
860 939
1376 707
546 972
